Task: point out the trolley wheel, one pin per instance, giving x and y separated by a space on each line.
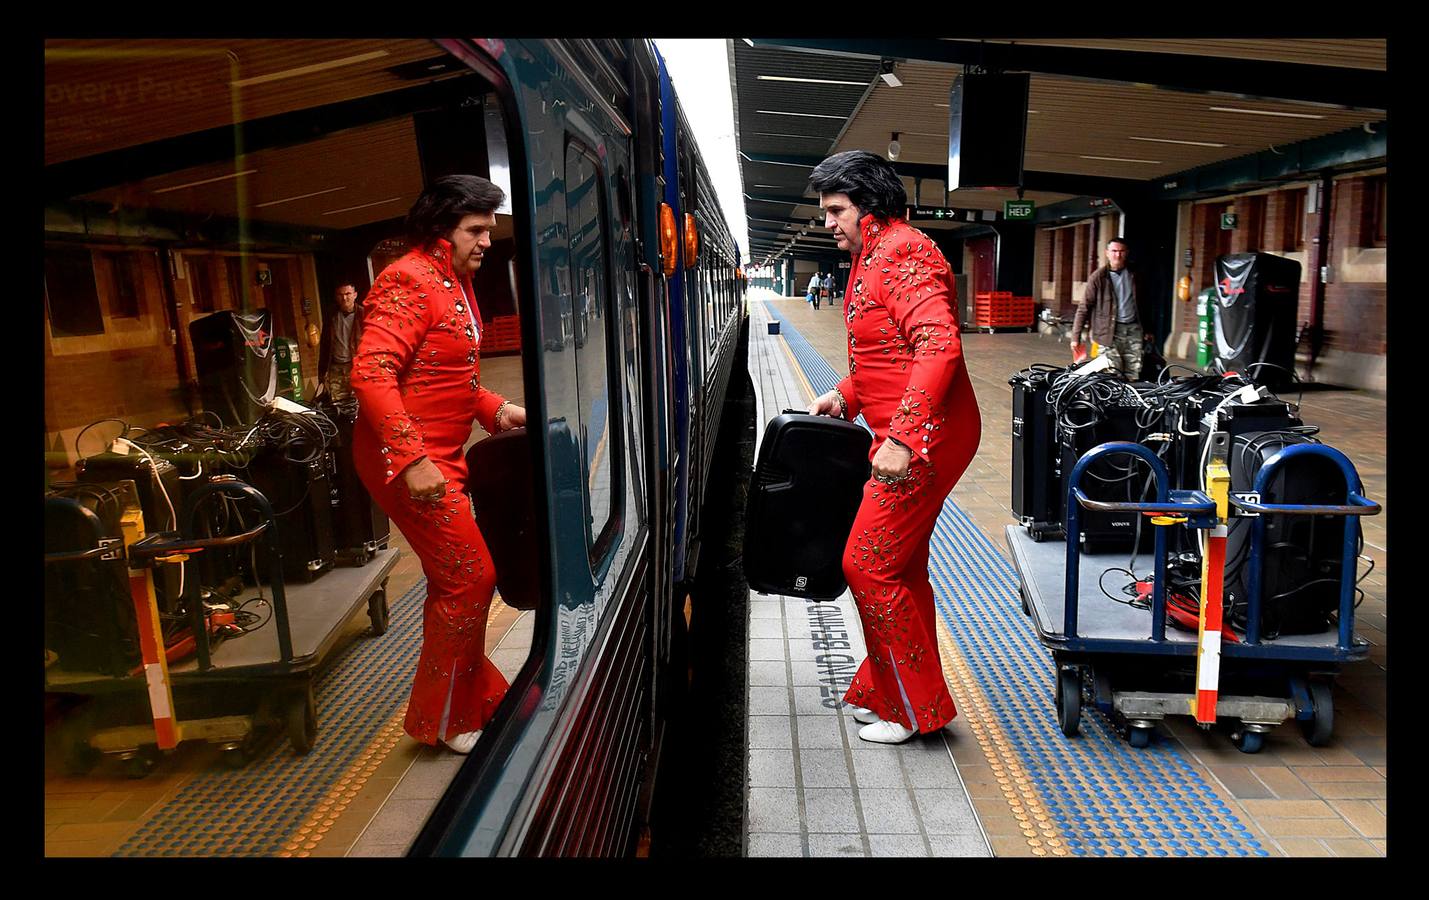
1318 728
302 720
1069 700
1139 737
377 611
1247 741
141 763
80 757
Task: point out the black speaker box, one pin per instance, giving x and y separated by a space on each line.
503 495
1119 478
237 369
89 616
1303 556
359 524
1257 303
987 130
1036 456
807 487
301 496
151 482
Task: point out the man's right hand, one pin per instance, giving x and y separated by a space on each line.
425 481
1079 353
825 405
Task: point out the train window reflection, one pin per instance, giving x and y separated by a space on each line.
590 300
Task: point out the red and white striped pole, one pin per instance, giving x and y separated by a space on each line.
1213 561
151 639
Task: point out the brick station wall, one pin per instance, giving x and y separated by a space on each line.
1356 299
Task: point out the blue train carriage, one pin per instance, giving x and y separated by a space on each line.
240 175
617 196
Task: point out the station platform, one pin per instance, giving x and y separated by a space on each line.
1002 779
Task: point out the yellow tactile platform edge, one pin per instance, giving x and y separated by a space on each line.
1022 799
306 837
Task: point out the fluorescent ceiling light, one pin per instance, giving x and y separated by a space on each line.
179 187
890 79
810 137
769 185
1172 141
299 197
748 41
1265 112
810 80
333 212
775 112
771 162
1152 162
308 70
947 106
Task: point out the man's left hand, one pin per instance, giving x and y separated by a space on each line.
513 416
891 462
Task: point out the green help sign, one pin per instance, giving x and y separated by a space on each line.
1018 210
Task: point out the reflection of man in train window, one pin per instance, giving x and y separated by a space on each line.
908 378
340 344
417 379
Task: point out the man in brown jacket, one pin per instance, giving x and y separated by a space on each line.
1115 307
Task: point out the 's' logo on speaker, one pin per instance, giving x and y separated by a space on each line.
800 583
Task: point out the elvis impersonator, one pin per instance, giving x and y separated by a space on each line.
906 375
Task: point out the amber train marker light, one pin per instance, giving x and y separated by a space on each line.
692 241
669 241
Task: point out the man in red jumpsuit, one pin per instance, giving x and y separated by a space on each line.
908 378
417 381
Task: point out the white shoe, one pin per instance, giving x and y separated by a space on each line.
462 743
884 732
864 715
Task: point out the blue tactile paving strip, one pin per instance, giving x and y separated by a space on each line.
252 811
1106 798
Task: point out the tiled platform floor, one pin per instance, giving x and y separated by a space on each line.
816 789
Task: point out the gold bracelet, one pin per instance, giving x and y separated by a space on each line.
500 411
843 404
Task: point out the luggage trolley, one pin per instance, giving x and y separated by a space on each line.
1137 672
223 693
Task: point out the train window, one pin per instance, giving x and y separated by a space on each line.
124 284
600 436
71 295
248 177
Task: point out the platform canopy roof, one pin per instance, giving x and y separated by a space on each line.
1103 116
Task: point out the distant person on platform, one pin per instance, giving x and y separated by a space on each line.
814 283
340 344
906 374
1115 307
828 285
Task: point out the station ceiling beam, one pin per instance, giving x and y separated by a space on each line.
1052 182
1335 85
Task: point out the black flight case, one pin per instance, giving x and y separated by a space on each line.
808 483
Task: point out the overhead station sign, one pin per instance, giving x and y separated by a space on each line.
950 213
1018 210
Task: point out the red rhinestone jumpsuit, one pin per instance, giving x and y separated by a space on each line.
416 378
908 378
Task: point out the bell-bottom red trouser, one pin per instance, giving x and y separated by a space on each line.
453 674
886 566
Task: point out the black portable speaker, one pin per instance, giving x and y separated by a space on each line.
503 497
808 483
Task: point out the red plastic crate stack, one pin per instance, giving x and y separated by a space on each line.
503 334
999 309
